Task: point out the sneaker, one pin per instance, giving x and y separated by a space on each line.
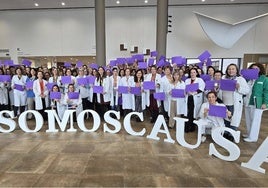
244 135
249 140
203 139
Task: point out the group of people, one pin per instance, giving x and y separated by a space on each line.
193 104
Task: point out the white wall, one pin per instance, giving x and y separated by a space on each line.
72 32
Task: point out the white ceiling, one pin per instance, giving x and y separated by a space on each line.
52 4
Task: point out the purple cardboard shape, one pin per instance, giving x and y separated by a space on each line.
55 95
135 90
160 96
91 79
29 84
73 95
154 53
177 60
113 63
19 87
82 81
250 74
121 60
5 78
150 62
178 93
138 57
94 66
8 62
218 111
205 77
149 85
67 64
192 87
142 65
66 79
97 89
79 64
161 63
205 55
210 85
129 60
26 62
228 85
123 89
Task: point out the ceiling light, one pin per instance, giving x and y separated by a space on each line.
117 2
62 3
203 0
36 4
146 1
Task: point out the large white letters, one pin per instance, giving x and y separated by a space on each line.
128 127
81 122
260 156
156 129
38 120
7 121
112 121
233 149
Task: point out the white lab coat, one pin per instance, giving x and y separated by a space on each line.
148 77
181 102
238 100
37 93
77 102
20 97
106 89
164 84
198 98
128 101
3 93
114 91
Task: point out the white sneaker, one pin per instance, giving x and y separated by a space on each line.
203 139
244 135
249 140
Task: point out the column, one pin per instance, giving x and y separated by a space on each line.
100 32
161 24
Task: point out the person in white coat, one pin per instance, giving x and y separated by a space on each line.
194 98
176 105
127 98
210 122
3 93
114 82
73 104
151 102
103 99
41 94
234 99
20 97
58 104
83 89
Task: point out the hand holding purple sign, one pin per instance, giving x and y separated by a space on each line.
218 111
228 85
250 74
55 95
149 85
97 89
123 89
19 87
66 79
73 95
82 81
135 90
159 96
29 85
178 93
192 87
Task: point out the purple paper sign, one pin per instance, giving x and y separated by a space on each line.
177 60
178 93
161 63
135 90
79 64
113 63
50 85
138 57
82 81
122 89
149 85
97 89
94 66
142 65
205 77
67 64
130 60
159 96
192 87
205 55
55 95
5 78
218 111
154 53
8 63
26 62
210 85
228 85
150 62
19 87
121 60
73 95
66 79
209 62
250 74
91 79
29 84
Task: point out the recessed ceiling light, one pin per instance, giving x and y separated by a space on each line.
232 0
146 1
36 4
62 3
203 0
117 2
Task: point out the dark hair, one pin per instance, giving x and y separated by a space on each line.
210 67
197 74
218 71
212 92
260 66
56 86
236 67
135 76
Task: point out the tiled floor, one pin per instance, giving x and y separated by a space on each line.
120 160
